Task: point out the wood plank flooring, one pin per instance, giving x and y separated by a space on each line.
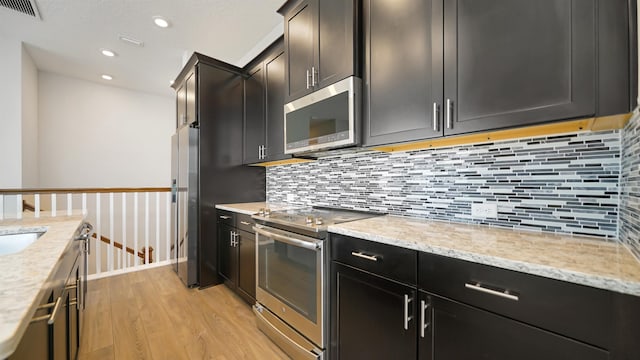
150 314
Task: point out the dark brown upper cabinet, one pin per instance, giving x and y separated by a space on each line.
321 44
447 67
264 106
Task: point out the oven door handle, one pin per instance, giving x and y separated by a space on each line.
289 240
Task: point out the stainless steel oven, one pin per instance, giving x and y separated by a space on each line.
292 257
290 291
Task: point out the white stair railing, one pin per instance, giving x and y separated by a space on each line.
120 238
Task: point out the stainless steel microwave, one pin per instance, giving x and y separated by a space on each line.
325 119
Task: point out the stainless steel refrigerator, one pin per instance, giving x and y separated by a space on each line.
184 220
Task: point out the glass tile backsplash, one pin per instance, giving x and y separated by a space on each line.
563 183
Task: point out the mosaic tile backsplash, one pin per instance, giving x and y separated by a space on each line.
565 183
630 186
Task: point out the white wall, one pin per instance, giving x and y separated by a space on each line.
29 104
92 135
10 107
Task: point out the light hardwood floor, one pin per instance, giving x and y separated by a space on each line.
150 314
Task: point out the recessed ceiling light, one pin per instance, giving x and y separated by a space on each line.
161 22
171 82
107 77
108 53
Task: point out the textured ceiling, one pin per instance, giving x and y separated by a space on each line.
68 38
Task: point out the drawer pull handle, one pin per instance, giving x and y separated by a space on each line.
364 256
225 217
424 324
504 294
245 223
407 318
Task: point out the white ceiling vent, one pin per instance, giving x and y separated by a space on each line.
27 7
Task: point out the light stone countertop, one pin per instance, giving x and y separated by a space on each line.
24 275
576 259
253 207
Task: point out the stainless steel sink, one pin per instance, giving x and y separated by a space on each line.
14 243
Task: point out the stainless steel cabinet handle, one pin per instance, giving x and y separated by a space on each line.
435 117
448 113
424 324
364 256
56 308
312 244
504 294
224 217
307 78
264 152
407 318
232 238
313 76
245 223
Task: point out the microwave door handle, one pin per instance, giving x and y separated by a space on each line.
287 239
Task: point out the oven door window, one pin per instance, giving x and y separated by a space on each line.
289 273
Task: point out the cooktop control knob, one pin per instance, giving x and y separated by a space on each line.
319 221
309 220
261 212
267 211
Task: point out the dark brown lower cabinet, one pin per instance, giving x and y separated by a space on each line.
386 305
54 330
228 255
369 320
237 253
247 265
35 341
455 331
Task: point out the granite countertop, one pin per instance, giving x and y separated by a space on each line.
252 207
23 275
576 259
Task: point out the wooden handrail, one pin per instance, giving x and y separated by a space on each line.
141 254
86 191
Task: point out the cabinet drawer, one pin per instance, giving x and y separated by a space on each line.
226 217
245 222
576 311
390 261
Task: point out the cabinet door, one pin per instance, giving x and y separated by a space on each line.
403 79
516 62
34 344
336 41
73 312
247 265
464 332
274 81
300 38
228 268
254 131
60 329
369 318
181 106
191 99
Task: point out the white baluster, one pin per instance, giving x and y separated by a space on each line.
53 205
135 229
69 204
19 206
168 226
84 203
125 258
1 207
146 227
157 249
37 205
111 233
98 234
